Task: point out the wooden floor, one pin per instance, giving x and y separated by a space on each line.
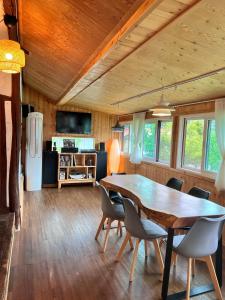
55 255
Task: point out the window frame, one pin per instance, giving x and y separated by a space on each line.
146 158
181 143
122 140
158 121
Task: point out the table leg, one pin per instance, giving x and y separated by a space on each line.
219 262
166 274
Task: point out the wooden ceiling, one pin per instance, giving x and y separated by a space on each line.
176 40
62 35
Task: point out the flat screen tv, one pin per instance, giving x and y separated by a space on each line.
73 122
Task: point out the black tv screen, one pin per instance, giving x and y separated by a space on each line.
73 122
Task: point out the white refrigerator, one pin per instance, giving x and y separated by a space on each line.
34 131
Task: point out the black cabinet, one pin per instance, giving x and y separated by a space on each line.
101 171
49 168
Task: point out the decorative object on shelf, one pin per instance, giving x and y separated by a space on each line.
77 176
67 160
12 58
54 147
89 161
62 175
69 143
114 156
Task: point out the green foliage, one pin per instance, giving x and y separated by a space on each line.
193 143
213 156
165 141
149 140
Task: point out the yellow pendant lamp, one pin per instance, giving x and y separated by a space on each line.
12 58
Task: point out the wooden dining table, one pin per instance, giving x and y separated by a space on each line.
171 209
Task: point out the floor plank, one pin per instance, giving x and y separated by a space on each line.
55 255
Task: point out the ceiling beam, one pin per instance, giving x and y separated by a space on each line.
140 8
138 46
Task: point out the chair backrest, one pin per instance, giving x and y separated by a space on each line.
132 220
199 193
202 239
122 173
112 193
175 183
107 206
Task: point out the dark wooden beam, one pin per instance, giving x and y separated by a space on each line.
3 161
10 7
14 201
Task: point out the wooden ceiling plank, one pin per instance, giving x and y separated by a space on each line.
117 33
153 23
191 46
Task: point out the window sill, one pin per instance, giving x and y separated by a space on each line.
157 163
208 176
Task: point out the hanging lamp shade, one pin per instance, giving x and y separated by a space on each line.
118 127
163 109
12 58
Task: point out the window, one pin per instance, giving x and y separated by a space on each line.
193 144
149 148
126 138
200 151
213 157
157 141
165 137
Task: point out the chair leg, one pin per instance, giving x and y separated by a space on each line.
121 230
146 248
100 227
158 255
131 243
213 276
134 260
162 241
123 246
193 267
189 278
174 259
118 228
107 234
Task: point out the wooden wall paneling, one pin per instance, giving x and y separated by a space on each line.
3 161
101 122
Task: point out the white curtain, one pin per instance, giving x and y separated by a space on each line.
137 136
220 133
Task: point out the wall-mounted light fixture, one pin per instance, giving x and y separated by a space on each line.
12 58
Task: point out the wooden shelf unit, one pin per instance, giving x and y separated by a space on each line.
74 164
